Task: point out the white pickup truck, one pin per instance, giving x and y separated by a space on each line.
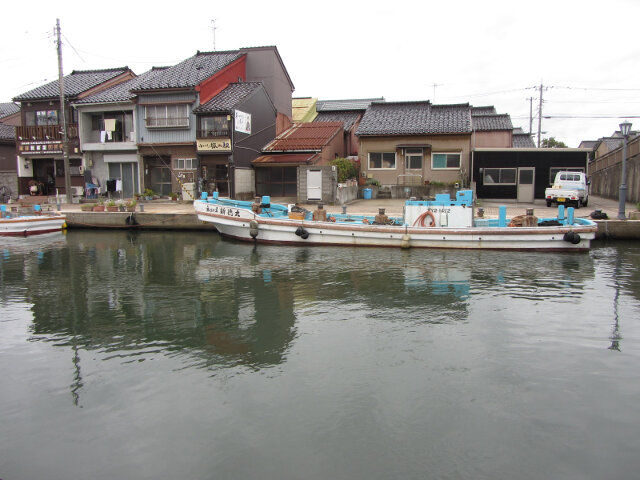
569 188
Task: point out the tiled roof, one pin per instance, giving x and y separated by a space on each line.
287 158
348 118
487 110
351 104
522 140
7 132
122 91
491 122
74 84
229 98
7 109
304 137
191 71
588 143
415 118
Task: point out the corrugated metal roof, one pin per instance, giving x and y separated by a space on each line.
360 104
415 118
75 83
305 136
287 158
303 109
192 71
229 98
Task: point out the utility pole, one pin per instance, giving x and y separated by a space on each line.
540 115
530 115
63 113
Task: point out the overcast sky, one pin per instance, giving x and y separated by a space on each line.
585 53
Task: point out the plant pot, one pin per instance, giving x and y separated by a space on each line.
131 209
87 208
121 208
112 209
98 208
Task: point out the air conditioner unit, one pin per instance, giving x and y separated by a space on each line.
77 191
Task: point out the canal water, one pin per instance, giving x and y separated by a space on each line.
179 355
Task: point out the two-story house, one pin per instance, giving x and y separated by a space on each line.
39 137
107 131
9 118
414 143
168 127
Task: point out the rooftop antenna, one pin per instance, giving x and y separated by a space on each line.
213 29
434 90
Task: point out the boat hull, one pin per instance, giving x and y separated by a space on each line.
283 231
31 225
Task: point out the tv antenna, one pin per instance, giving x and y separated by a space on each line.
213 29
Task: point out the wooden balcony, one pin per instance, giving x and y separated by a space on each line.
41 133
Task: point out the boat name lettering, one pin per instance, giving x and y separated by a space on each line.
228 211
441 210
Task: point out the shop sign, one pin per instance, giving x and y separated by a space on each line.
214 145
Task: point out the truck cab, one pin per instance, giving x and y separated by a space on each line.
568 188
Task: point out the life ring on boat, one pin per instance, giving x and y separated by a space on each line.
420 221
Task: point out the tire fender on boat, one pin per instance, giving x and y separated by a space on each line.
302 233
572 237
406 241
253 228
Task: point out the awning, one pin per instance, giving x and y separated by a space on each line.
286 159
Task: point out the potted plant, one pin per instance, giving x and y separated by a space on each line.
87 207
121 207
111 206
130 206
148 194
99 207
173 196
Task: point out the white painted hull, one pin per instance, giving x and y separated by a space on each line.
31 225
282 231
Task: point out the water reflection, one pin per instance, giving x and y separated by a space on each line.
217 304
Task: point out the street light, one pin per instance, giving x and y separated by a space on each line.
625 128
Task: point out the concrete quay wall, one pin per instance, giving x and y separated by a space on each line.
142 220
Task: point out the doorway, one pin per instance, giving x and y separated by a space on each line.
526 184
314 184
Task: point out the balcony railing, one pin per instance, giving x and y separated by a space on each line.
45 132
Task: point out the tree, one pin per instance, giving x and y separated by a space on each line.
551 142
346 169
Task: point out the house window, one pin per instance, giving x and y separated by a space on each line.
42 118
217 126
185 163
499 176
445 161
382 160
167 116
413 158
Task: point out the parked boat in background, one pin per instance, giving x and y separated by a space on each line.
439 223
24 225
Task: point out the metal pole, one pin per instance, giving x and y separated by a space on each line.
623 183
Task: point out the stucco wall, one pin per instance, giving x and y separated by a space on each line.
606 173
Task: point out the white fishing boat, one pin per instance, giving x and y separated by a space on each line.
24 225
439 223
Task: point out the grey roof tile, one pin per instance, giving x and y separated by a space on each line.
7 132
122 91
414 118
486 110
349 104
491 122
192 71
229 98
7 109
75 83
346 117
523 140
